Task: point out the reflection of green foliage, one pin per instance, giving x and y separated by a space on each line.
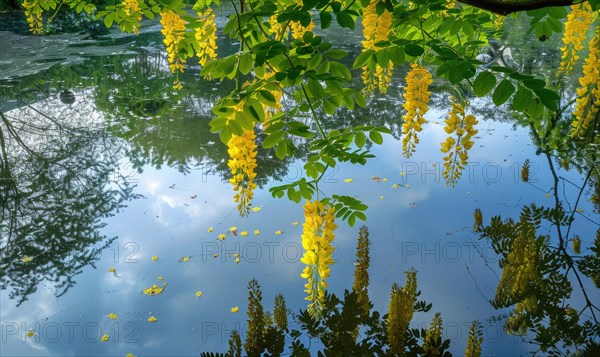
52 205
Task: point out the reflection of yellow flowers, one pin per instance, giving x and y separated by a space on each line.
31 333
153 290
26 259
416 97
112 316
256 232
244 233
211 229
400 312
198 293
206 37
155 258
576 27
222 236
235 309
317 237
105 338
152 319
474 344
376 29
242 163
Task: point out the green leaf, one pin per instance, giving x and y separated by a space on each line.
376 137
281 150
413 50
273 139
548 97
360 139
522 99
502 92
362 58
484 83
344 19
109 19
336 54
266 97
325 19
245 63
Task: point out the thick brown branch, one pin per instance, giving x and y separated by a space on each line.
507 7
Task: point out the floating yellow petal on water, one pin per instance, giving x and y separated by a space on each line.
112 270
26 259
105 338
112 316
155 258
152 319
295 223
235 309
184 259
348 180
31 333
256 232
244 233
278 232
256 209
210 229
222 236
198 293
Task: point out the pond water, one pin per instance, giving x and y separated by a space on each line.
120 168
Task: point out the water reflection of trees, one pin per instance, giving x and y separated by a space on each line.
57 186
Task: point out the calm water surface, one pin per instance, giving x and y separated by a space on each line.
121 168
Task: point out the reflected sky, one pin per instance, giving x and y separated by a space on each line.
422 224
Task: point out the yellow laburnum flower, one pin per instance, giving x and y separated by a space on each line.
155 258
395 185
376 29
222 236
295 223
432 335
297 29
235 310
348 180
133 13
577 245
457 147
112 316
112 270
105 338
317 236
152 319
416 96
33 12
233 229
198 293
26 259
210 229
160 278
173 32
237 260
242 163
278 232
276 28
256 232
588 94
576 27
31 333
273 87
184 259
206 37
256 209
130 355
244 233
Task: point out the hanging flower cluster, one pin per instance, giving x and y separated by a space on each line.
242 163
133 11
206 37
317 237
375 29
276 28
457 147
174 32
576 27
588 100
400 313
416 102
277 93
297 29
33 12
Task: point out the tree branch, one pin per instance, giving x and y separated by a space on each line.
506 7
